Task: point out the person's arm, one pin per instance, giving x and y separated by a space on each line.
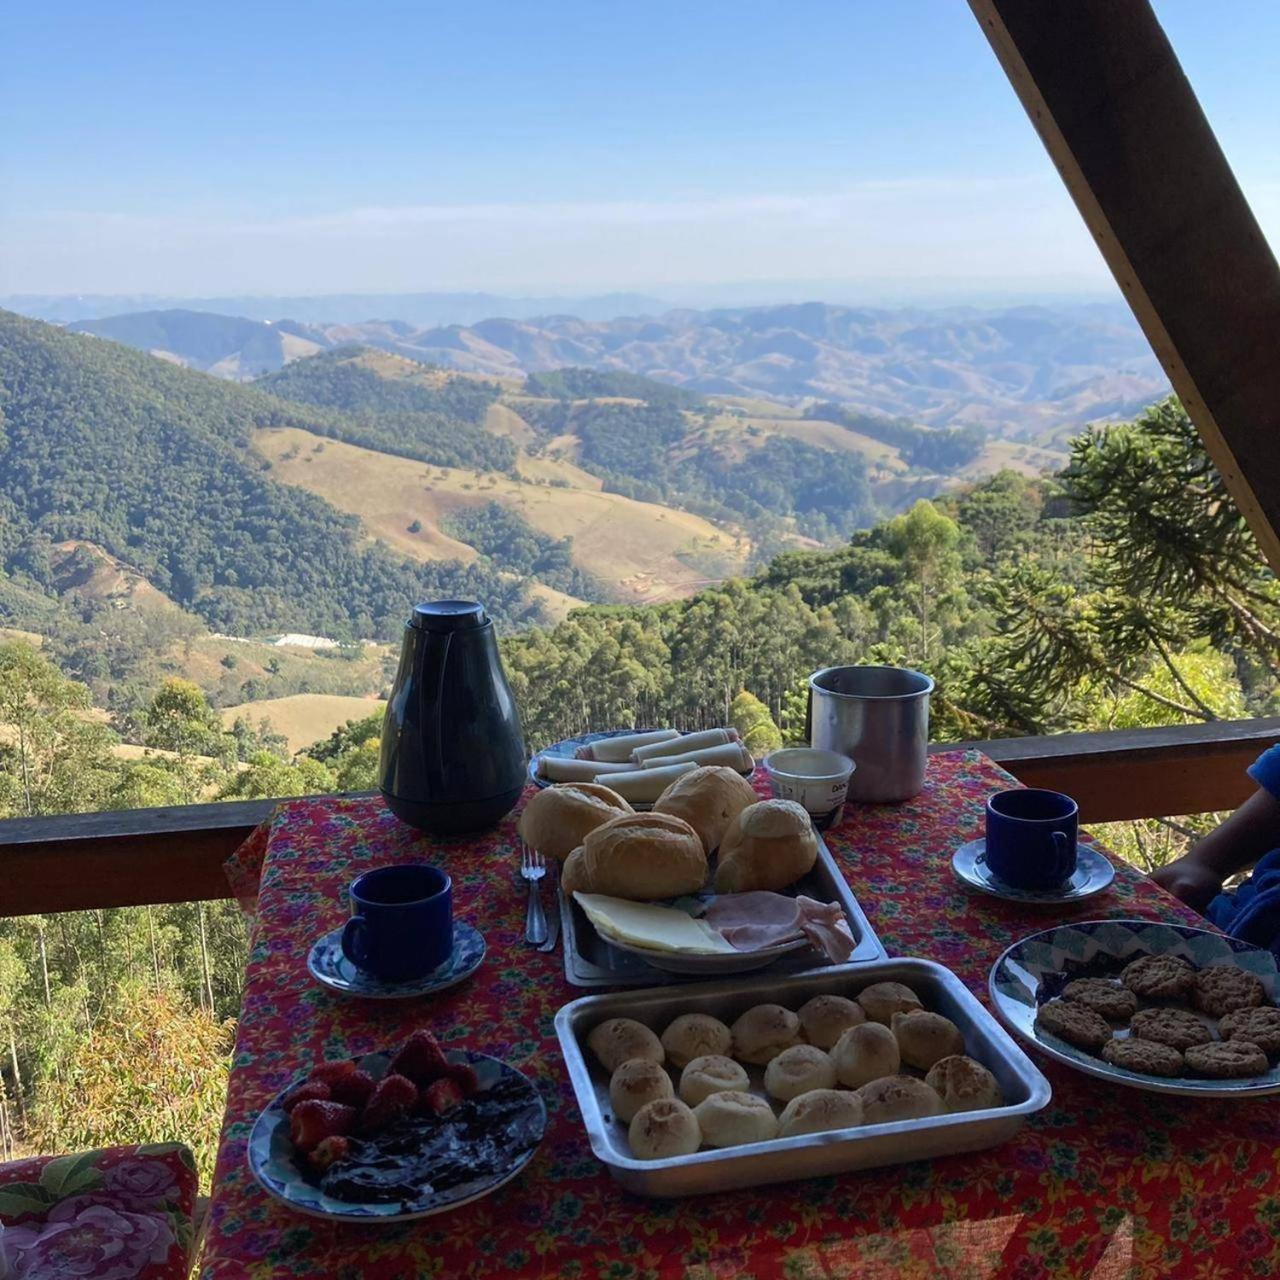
1250 832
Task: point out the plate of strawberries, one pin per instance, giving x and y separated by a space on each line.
398 1134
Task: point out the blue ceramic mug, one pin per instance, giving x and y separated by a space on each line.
401 924
1031 837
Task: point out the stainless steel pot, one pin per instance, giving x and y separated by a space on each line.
879 717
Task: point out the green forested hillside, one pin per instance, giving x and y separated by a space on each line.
153 463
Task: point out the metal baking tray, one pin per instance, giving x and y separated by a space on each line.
812 1155
589 961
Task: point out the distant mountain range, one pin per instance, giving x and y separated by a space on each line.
1020 371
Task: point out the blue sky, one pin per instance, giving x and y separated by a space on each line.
870 145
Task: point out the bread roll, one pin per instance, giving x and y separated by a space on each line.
898 1098
618 748
769 845
762 1033
923 1038
557 820
640 856
865 1053
644 786
683 742
819 1111
635 1082
826 1018
963 1084
735 1117
617 1039
695 1035
800 1069
708 800
711 1074
662 1129
882 1000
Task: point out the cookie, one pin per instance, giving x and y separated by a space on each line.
1178 1028
1116 1004
1225 1060
1075 1023
1254 1026
1158 977
1147 1056
1225 989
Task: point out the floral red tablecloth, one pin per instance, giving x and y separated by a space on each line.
1105 1183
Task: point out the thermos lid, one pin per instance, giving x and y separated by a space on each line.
448 615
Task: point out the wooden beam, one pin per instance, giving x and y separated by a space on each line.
137 856
1113 107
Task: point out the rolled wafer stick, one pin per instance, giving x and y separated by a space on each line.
619 749
733 754
643 786
682 745
565 769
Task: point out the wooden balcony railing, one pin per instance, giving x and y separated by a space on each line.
138 856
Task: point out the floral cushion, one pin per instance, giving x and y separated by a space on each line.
124 1213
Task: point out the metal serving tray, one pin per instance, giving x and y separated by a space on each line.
812 1155
589 961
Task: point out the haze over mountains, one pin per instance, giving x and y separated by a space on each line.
1019 372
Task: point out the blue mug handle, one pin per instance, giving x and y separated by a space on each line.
1061 849
354 938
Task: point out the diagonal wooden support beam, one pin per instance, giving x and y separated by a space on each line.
1117 114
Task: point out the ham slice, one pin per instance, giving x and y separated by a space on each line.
756 920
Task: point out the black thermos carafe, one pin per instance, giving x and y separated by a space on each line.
452 752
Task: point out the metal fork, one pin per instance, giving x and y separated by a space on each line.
532 869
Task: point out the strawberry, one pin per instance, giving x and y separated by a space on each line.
307 1091
464 1076
420 1058
389 1102
312 1122
329 1152
354 1089
439 1096
331 1072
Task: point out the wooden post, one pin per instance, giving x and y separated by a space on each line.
1113 107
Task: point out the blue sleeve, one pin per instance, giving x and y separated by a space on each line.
1265 771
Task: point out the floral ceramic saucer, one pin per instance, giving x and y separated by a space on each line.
1093 873
274 1162
328 966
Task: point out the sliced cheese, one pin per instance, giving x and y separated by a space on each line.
642 924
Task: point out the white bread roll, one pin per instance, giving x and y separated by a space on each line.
732 755
882 1000
640 856
964 1085
566 769
735 1117
557 820
635 1082
769 845
644 786
618 749
763 1032
819 1111
684 742
800 1069
708 799
695 1035
662 1129
924 1038
865 1053
616 1040
826 1018
898 1098
713 1073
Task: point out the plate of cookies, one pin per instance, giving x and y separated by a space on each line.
1163 1007
720 1085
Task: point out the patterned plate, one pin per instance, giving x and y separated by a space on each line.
1038 967
569 747
1093 873
272 1157
328 966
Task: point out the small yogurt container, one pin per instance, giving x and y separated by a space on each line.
816 780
